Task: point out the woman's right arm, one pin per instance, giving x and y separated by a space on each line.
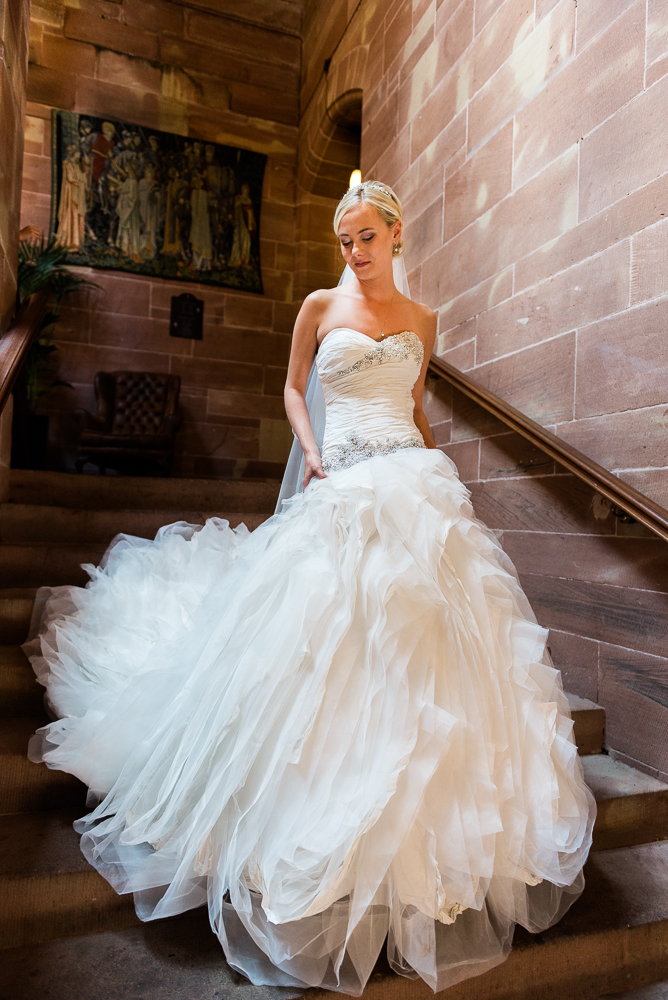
302 353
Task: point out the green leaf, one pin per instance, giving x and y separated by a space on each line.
42 267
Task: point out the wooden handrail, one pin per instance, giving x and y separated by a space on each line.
640 507
16 342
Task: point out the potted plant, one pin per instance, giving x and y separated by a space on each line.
40 268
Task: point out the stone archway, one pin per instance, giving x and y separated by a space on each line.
329 150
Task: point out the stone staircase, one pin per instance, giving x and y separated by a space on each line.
66 935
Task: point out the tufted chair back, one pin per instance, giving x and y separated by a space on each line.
135 424
136 402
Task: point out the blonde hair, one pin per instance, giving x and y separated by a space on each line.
383 199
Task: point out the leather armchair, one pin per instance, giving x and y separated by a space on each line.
135 424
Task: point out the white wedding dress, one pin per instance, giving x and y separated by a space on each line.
341 728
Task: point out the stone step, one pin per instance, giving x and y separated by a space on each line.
26 524
588 724
47 888
656 991
614 938
20 694
28 787
16 605
632 806
174 959
48 564
63 489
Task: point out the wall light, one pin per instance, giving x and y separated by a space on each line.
355 178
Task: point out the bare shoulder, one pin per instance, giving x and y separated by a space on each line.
427 315
324 295
424 322
320 298
316 303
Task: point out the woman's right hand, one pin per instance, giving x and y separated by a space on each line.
313 468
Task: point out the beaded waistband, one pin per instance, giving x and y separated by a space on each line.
356 449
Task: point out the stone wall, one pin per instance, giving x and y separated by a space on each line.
14 21
14 25
526 141
214 77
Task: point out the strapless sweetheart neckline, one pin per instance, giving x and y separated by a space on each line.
350 329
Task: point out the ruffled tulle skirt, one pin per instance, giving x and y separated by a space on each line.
341 728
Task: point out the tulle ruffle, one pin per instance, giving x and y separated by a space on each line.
341 728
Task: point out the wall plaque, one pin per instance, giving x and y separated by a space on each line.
186 317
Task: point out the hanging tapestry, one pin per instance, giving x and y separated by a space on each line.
154 203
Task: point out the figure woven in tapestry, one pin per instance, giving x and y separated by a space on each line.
136 199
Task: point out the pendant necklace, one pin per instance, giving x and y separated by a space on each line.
382 330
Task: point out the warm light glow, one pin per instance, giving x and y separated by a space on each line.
355 178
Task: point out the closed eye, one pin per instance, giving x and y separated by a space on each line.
365 239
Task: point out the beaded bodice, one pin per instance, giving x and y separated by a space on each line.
368 387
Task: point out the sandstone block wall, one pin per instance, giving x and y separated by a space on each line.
526 139
14 27
222 79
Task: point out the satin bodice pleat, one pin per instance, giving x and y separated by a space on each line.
368 388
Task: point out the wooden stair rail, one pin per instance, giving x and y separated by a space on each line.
16 342
640 507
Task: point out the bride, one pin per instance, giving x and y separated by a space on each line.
341 729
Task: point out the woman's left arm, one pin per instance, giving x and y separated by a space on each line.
428 340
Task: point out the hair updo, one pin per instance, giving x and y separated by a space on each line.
383 199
